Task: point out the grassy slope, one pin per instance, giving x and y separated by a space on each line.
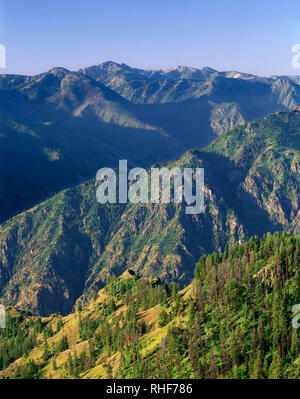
70 329
234 308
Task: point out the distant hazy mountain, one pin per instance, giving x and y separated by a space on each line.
68 245
183 83
219 100
295 79
59 127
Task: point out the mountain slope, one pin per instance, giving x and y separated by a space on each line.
230 98
268 150
233 321
58 128
67 246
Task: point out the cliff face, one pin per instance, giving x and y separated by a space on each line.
67 246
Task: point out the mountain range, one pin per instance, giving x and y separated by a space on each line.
145 290
59 127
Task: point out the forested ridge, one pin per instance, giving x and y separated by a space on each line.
233 321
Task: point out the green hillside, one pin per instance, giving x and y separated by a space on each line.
233 321
66 247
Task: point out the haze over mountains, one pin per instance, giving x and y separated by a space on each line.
66 247
183 83
59 127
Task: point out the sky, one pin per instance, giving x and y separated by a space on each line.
251 36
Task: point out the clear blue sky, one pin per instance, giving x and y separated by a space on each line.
252 36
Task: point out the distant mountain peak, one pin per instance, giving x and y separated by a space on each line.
110 65
180 68
58 70
208 69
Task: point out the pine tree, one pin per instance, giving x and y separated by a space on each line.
70 366
275 366
54 365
